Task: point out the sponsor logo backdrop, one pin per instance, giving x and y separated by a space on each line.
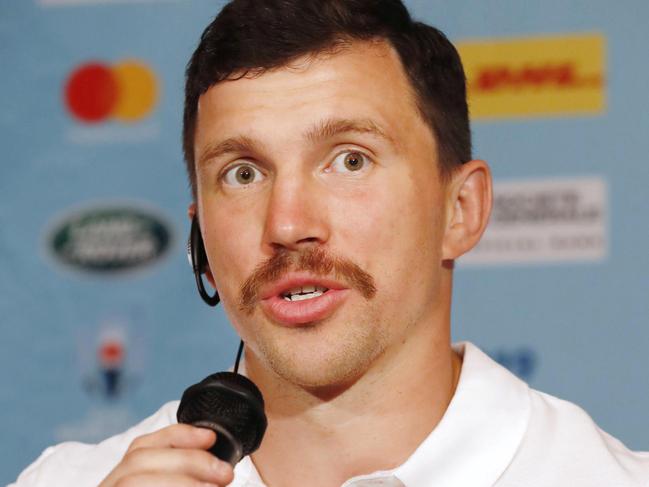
100 322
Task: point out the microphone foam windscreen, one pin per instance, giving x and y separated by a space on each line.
232 401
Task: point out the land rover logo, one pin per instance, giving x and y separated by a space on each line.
109 240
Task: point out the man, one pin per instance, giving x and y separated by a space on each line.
328 148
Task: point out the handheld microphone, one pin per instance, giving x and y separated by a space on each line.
232 406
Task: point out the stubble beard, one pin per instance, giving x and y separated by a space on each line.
326 357
326 354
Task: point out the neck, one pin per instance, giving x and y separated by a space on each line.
321 439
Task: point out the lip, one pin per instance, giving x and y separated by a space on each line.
294 313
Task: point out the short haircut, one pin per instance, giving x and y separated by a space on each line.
249 37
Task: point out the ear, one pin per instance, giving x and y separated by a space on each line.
192 212
469 201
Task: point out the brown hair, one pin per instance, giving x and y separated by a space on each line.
251 36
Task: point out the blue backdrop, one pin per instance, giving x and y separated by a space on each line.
100 322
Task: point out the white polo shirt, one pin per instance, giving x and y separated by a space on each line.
496 432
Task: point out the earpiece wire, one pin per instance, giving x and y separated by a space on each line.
239 353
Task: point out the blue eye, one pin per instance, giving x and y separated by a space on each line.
349 162
242 175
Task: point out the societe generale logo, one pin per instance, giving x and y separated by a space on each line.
96 92
535 76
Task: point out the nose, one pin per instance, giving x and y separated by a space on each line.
296 214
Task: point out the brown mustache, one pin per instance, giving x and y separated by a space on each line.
314 260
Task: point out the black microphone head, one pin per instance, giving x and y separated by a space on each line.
230 404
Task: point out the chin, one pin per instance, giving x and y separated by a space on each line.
329 355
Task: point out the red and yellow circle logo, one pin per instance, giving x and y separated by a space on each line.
126 91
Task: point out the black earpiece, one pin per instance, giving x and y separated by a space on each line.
228 403
198 260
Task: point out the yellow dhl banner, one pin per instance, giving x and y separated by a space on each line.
535 76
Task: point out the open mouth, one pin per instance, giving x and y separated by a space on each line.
300 299
302 293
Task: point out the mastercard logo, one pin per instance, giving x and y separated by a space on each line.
126 91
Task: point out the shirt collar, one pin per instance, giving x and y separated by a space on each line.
480 432
246 475
474 442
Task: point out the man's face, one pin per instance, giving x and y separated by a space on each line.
323 177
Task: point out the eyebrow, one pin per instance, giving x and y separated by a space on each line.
332 127
239 144
323 130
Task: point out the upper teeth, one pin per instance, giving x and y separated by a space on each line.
304 292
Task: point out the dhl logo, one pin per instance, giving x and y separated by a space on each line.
548 76
542 76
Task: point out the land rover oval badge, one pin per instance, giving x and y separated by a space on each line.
110 239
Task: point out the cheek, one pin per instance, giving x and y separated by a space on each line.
394 231
229 238
359 225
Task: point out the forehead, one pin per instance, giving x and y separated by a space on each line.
361 80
